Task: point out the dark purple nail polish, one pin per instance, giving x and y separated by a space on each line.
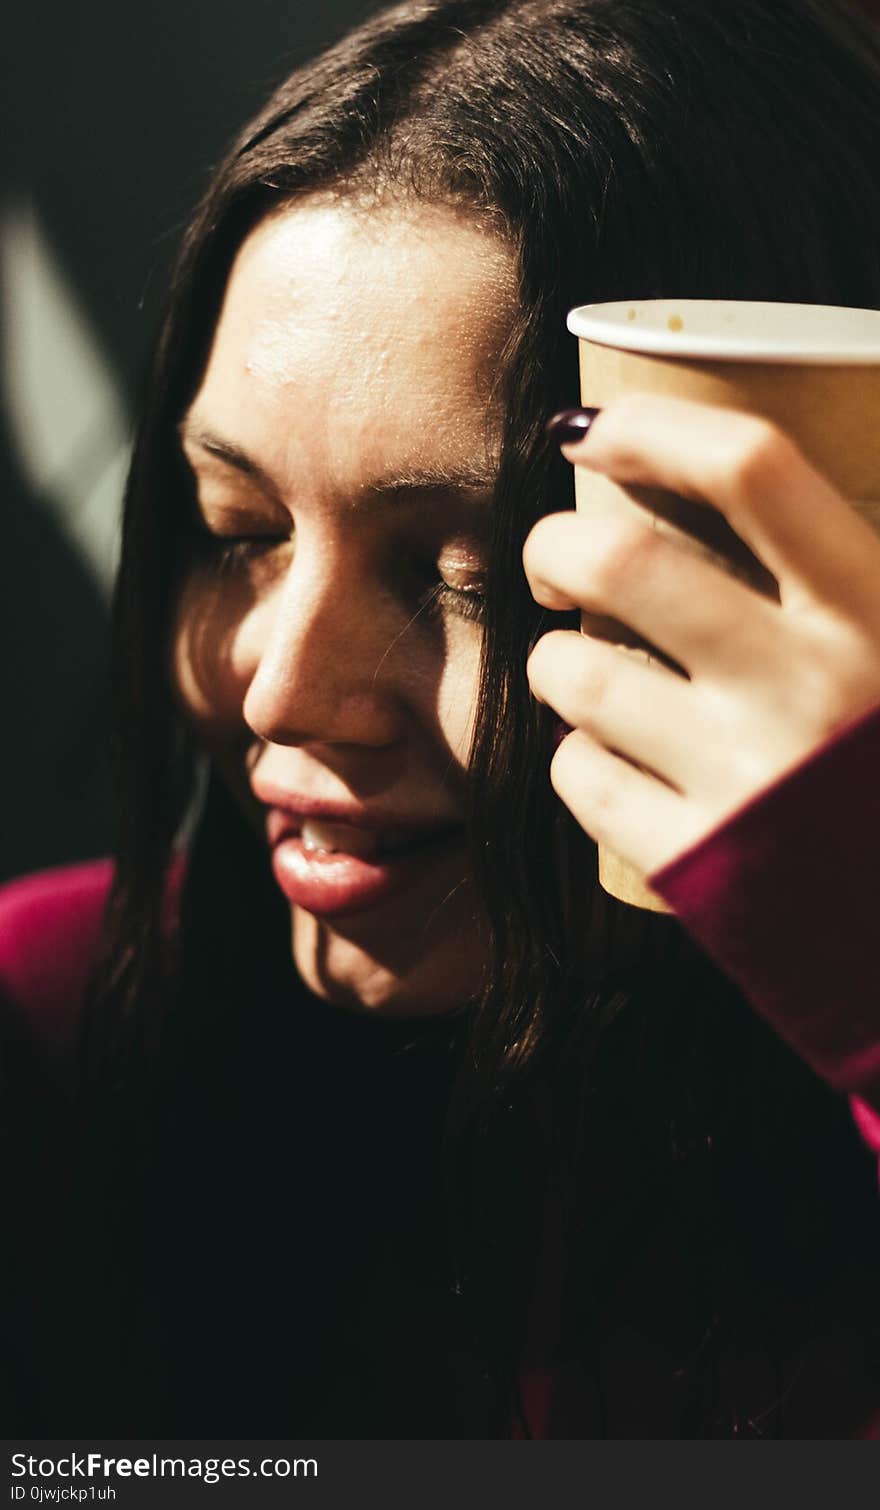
560 729
570 425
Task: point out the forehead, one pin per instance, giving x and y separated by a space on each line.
347 334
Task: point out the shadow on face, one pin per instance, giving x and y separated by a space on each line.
343 445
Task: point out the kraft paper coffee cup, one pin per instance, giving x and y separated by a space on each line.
812 369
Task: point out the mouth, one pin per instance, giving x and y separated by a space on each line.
334 869
319 837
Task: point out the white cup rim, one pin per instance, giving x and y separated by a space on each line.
733 330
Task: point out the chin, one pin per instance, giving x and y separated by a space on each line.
391 981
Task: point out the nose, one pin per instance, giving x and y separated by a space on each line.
320 655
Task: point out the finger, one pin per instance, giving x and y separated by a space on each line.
790 516
693 611
638 710
626 809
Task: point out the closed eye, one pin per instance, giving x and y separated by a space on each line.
222 552
436 594
468 602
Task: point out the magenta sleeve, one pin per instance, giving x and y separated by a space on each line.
49 927
784 897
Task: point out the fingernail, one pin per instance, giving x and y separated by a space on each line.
570 425
560 729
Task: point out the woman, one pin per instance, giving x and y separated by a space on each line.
401 1128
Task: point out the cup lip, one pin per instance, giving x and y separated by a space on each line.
614 324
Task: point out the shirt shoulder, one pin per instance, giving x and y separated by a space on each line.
50 925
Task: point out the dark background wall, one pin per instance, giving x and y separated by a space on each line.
113 117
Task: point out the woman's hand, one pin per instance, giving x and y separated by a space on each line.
654 760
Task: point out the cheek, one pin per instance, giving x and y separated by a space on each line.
457 692
207 675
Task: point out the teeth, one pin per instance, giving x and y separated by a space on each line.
331 838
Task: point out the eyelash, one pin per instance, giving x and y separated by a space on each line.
226 551
467 602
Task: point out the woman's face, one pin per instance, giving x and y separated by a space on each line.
344 444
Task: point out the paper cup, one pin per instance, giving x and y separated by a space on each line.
812 369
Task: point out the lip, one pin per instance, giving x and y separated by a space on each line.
298 808
336 884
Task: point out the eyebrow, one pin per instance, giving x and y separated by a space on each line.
380 493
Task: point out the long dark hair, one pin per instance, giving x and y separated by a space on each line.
625 149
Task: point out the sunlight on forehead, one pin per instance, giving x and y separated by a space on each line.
358 352
387 284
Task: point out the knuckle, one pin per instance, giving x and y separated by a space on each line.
625 416
762 453
562 658
538 657
623 423
576 778
532 550
625 554
838 676
588 682
547 548
541 540
713 634
569 767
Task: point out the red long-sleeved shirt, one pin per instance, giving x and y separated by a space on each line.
784 897
781 896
